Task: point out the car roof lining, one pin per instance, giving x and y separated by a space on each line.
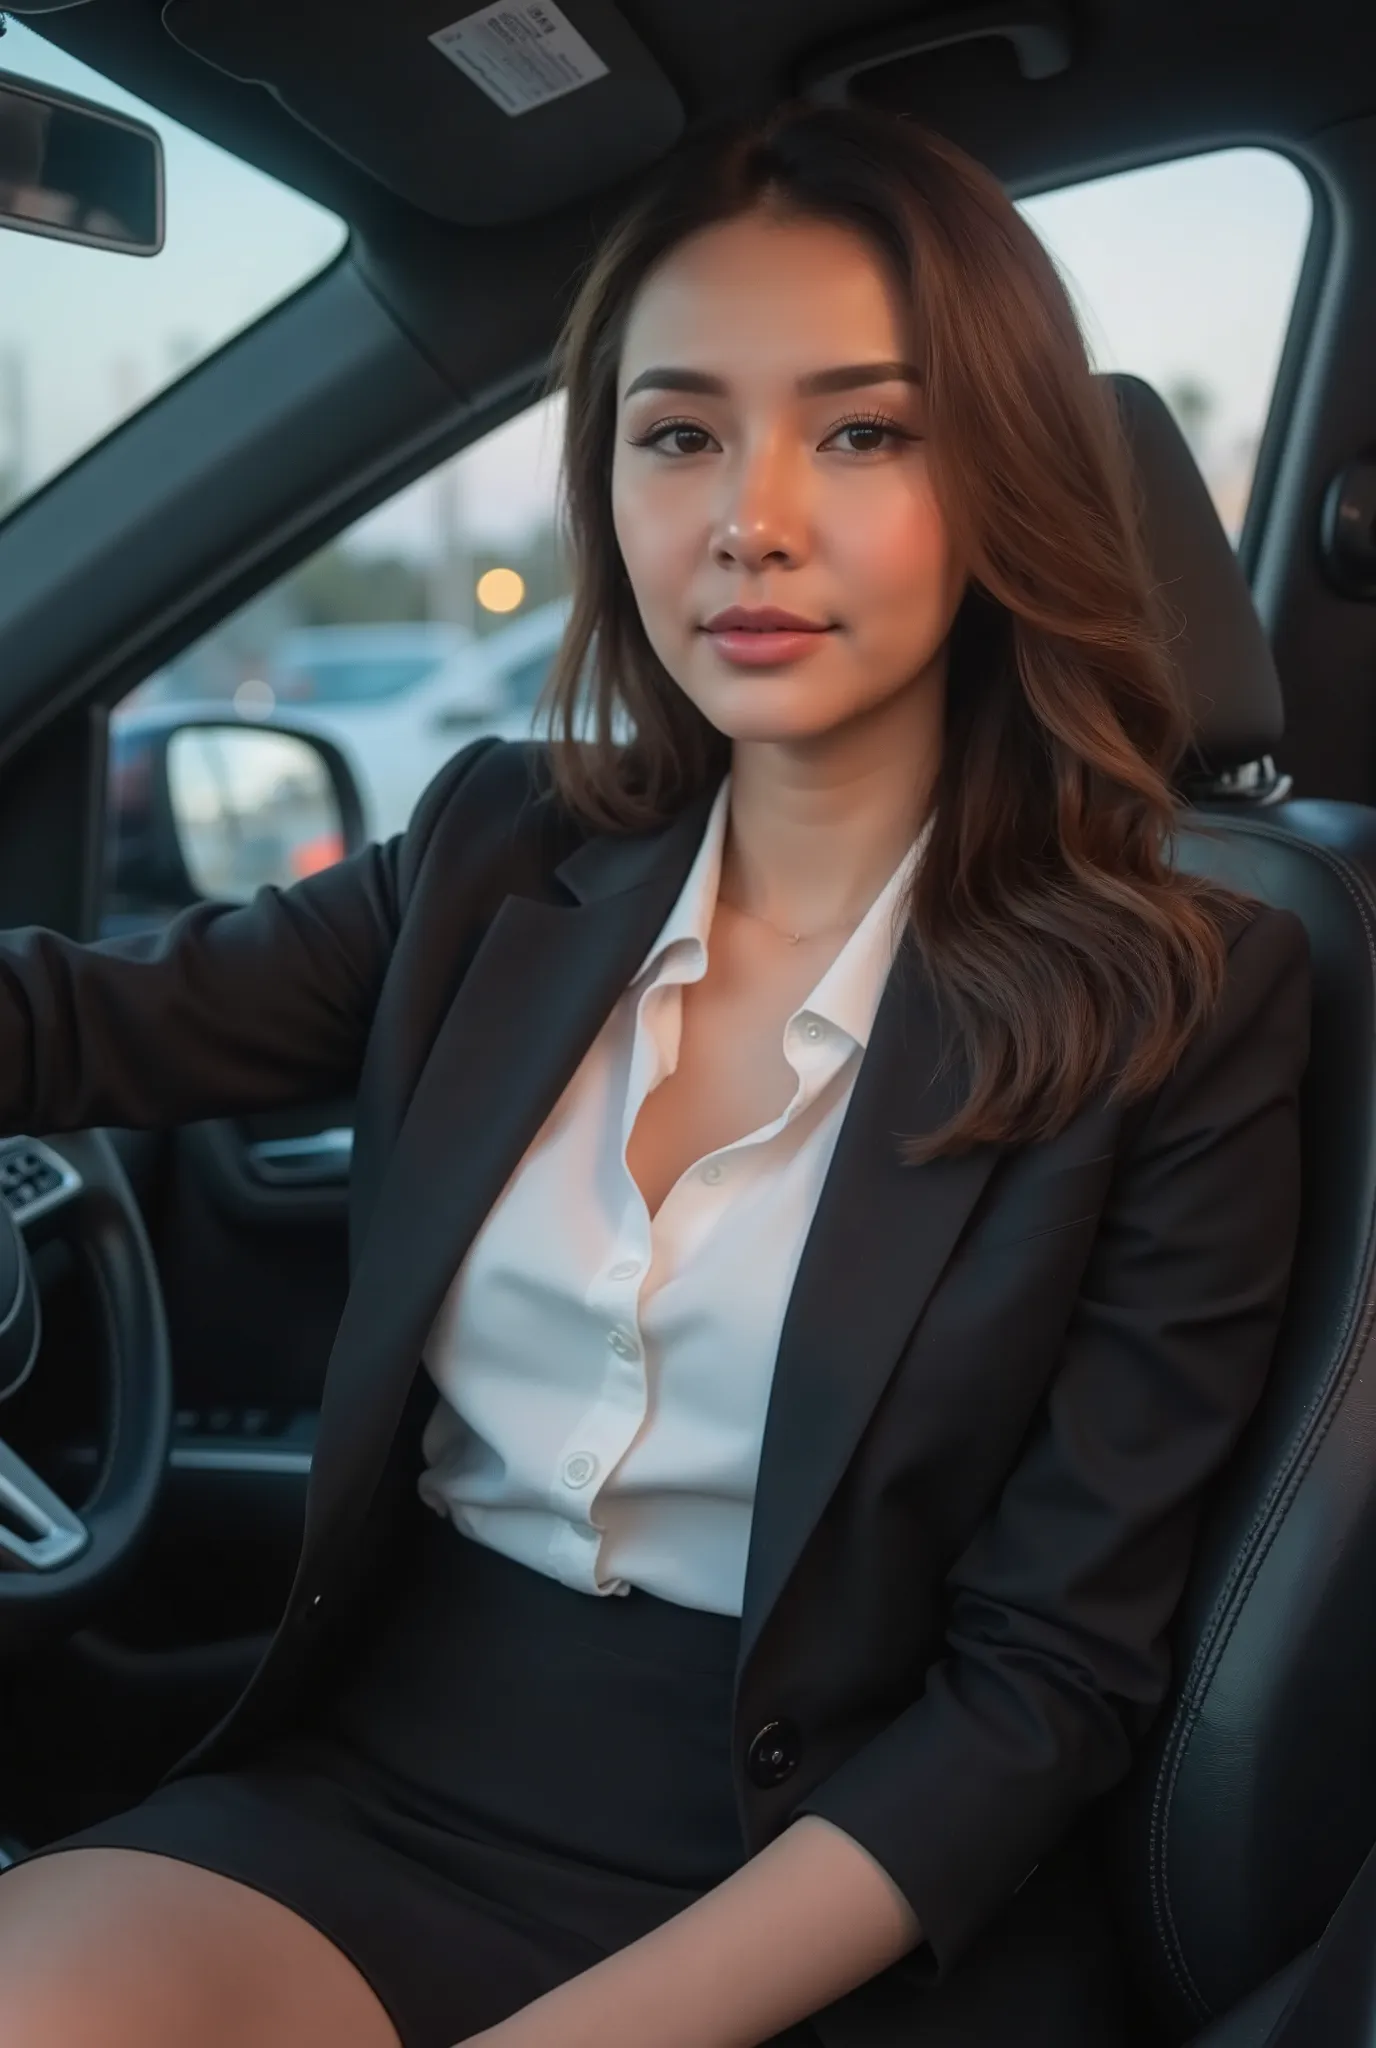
1141 83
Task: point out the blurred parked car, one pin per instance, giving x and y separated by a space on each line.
364 664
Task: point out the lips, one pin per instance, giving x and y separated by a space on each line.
739 618
763 637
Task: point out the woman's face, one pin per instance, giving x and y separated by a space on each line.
770 453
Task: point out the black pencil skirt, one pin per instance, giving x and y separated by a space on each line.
513 1780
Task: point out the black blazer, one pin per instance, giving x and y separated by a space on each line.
1003 1379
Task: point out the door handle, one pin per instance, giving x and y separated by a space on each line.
320 1159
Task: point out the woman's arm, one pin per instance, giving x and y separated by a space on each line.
799 1925
230 1008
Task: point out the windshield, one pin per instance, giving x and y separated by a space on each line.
88 337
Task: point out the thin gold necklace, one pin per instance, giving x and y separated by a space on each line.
793 938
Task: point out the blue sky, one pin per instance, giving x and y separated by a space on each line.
1179 270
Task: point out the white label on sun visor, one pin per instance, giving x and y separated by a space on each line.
521 54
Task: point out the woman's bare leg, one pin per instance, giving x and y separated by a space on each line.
118 1948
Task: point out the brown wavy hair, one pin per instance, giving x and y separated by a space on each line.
1065 947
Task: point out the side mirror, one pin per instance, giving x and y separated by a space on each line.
76 172
201 808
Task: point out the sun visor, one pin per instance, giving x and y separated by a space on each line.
479 116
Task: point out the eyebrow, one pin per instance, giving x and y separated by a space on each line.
845 377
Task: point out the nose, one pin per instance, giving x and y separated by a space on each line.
761 519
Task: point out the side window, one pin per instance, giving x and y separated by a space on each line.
434 619
430 622
1184 274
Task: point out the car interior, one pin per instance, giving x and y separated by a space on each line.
176 1290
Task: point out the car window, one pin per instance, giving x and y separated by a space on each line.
1184 274
87 337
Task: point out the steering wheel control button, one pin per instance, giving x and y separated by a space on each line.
34 1178
773 1755
579 1469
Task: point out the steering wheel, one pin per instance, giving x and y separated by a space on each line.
55 1564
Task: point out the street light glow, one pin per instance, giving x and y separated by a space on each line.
500 590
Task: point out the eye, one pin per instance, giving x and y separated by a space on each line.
873 428
657 436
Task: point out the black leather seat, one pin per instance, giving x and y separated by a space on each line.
1253 1803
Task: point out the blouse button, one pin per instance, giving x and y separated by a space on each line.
713 1173
578 1469
622 1344
626 1270
812 1028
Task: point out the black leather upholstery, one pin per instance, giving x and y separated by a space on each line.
1220 646
1253 1803
1257 2021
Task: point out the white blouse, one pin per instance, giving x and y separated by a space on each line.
604 1376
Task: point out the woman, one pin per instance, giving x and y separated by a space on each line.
842 1179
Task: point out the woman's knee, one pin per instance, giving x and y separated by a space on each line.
109 1948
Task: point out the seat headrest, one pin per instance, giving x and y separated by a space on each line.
1220 649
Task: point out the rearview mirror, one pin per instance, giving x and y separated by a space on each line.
76 172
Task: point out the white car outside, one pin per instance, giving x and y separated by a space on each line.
329 680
